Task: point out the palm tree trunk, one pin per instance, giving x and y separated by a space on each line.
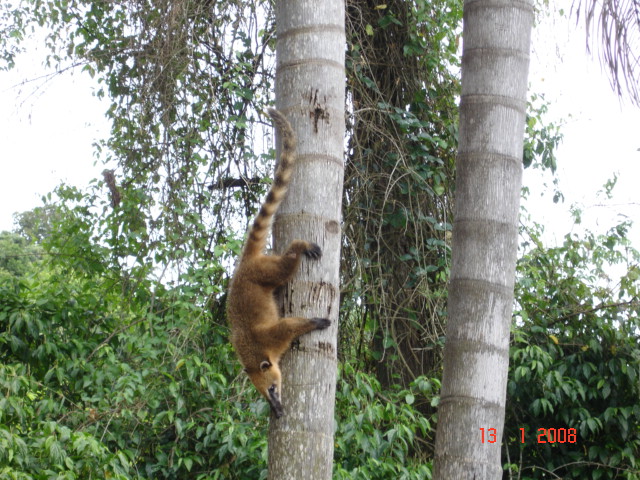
495 64
310 90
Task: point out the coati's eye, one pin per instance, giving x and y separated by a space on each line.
272 389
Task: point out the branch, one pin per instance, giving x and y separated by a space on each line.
234 183
618 25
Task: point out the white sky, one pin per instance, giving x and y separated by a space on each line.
601 135
47 130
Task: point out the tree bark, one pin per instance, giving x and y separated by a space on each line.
495 63
310 88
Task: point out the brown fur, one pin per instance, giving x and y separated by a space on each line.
258 334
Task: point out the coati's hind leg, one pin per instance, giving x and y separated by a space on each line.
276 270
287 329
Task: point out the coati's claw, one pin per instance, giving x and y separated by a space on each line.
321 323
314 252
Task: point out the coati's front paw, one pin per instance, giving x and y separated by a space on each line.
321 323
313 251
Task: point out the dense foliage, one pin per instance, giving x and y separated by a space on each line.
104 376
403 85
103 379
575 360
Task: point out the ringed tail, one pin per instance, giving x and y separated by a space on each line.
257 239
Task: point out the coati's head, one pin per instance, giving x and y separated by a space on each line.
268 380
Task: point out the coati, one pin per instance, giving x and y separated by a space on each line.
258 334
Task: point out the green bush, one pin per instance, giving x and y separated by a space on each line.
575 360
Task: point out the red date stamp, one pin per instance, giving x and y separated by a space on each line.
543 435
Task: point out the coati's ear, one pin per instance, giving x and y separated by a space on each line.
265 365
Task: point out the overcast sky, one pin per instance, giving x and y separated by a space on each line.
601 135
47 131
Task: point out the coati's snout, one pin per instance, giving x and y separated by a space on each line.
274 400
268 381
